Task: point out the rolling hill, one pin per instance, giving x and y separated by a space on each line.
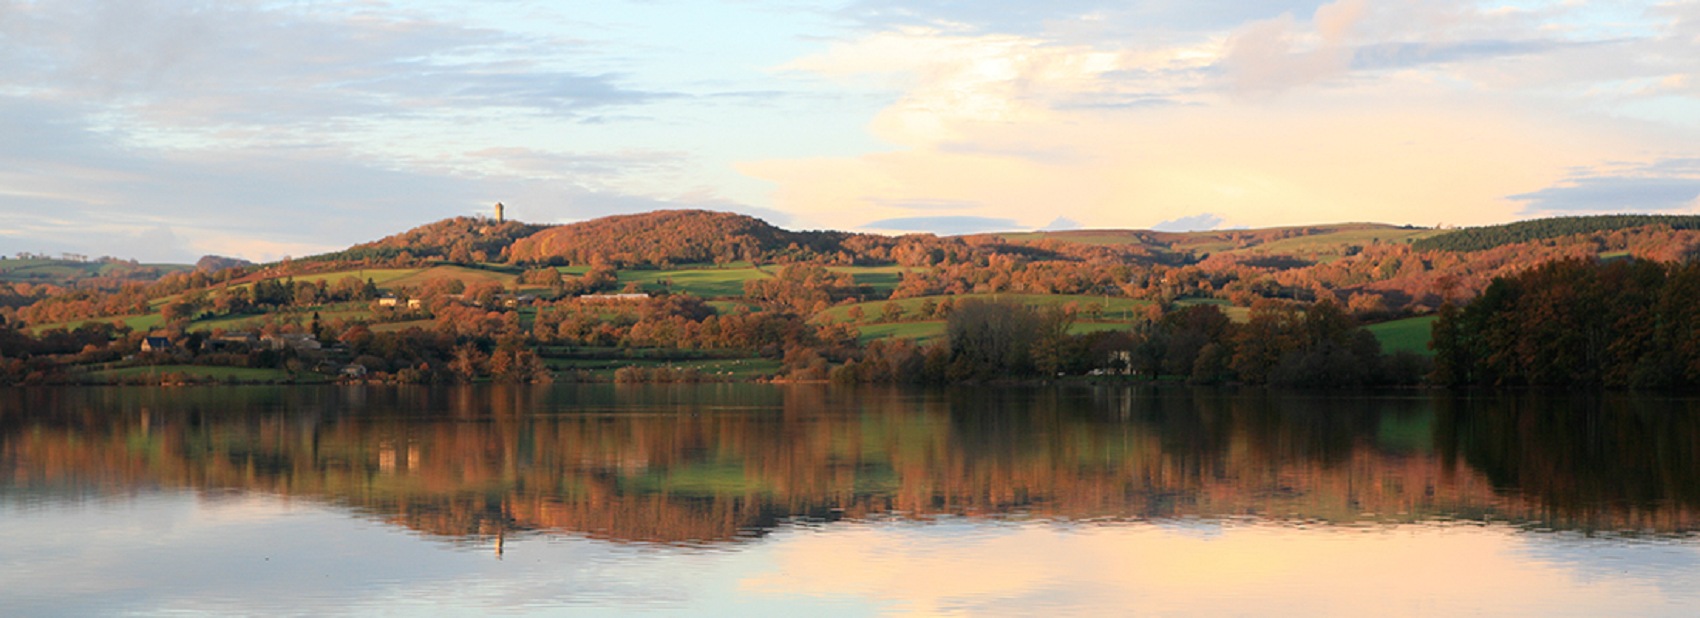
670 237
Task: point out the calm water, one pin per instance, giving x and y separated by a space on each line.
755 500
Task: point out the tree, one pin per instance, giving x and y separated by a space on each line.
989 340
891 312
467 363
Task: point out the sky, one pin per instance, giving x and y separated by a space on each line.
167 130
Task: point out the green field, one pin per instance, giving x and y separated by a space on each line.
727 281
346 311
883 279
1331 245
380 277
1123 309
923 332
1108 238
1237 314
1407 335
706 282
466 275
919 331
135 322
241 374
390 327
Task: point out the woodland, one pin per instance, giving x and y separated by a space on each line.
697 296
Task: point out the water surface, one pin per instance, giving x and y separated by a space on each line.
768 500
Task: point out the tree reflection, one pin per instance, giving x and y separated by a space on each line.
719 463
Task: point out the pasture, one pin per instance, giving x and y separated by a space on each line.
223 374
1407 335
1122 309
705 282
468 276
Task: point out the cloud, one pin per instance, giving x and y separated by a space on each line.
947 226
1195 223
1612 194
1451 40
948 78
258 130
924 204
1402 112
254 63
1267 57
913 569
1382 56
1103 19
350 121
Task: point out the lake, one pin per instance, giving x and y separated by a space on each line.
755 500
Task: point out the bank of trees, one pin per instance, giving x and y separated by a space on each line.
1625 323
1284 344
1490 236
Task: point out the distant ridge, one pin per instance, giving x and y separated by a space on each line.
1490 236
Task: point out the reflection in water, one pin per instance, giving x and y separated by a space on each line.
758 500
719 464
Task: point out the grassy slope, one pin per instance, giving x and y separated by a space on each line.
1409 334
245 374
727 281
919 331
466 275
135 322
1118 309
1110 238
883 279
934 329
1237 314
703 281
1333 244
381 277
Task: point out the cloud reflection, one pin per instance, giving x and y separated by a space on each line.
1148 569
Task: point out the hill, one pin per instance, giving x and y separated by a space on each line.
671 237
1491 236
1330 239
104 272
460 239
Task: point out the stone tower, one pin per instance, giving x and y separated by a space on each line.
499 218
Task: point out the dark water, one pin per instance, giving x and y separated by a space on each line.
758 500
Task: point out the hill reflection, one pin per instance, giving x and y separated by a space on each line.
715 464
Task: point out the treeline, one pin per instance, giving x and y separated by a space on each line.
1490 236
1283 344
1579 322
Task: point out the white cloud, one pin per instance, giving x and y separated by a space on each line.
1403 112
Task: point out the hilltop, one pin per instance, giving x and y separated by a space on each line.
460 239
670 237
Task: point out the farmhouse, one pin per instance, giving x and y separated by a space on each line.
515 300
